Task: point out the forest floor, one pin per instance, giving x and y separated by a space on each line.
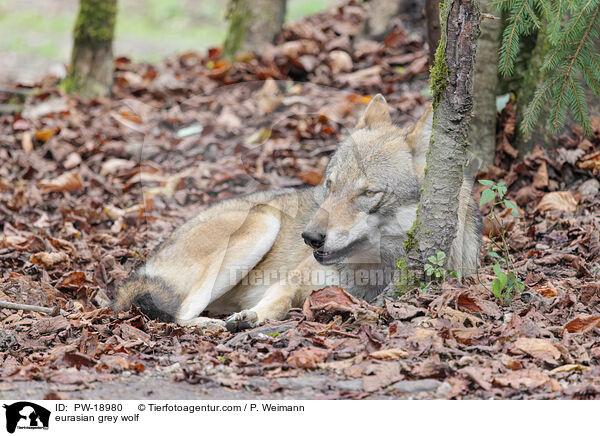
88 190
36 35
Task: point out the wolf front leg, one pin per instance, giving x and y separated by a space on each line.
274 305
282 296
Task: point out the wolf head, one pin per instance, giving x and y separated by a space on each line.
371 188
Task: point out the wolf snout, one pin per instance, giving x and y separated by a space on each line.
314 239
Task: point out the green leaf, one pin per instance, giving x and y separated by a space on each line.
501 191
497 288
487 196
486 182
493 254
497 269
441 256
512 206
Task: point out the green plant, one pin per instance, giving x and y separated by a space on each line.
572 28
507 282
435 268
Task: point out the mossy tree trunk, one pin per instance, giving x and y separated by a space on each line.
92 66
452 85
482 132
252 25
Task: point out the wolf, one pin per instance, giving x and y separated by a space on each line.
255 257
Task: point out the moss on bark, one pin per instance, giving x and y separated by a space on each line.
252 25
91 71
452 86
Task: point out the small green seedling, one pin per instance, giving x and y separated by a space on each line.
507 282
435 268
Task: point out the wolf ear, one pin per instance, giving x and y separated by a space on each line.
376 114
418 141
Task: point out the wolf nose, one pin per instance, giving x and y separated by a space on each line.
314 239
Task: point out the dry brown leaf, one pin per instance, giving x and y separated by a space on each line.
389 354
561 200
308 357
568 368
115 165
69 181
528 378
546 291
322 305
538 348
479 375
582 323
49 259
340 365
27 142
340 61
44 135
383 374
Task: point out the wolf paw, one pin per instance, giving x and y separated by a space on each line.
242 320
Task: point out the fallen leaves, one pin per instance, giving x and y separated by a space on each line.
69 181
523 378
389 354
49 260
539 348
131 169
582 323
324 304
308 357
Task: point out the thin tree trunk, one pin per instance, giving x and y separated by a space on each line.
252 25
482 133
434 29
452 77
92 66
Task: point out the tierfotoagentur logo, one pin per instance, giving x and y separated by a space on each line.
24 415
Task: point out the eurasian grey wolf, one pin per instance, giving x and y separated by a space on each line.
259 255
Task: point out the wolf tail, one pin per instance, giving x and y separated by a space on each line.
153 296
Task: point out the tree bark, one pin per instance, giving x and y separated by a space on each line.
92 66
482 132
453 72
380 14
434 28
252 25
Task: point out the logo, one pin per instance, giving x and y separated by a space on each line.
26 415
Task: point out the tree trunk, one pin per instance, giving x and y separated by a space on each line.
92 66
482 133
252 25
434 29
452 86
380 14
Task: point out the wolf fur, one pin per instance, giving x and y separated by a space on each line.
246 256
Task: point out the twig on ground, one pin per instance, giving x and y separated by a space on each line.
16 306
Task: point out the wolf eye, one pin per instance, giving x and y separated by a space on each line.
369 193
328 183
